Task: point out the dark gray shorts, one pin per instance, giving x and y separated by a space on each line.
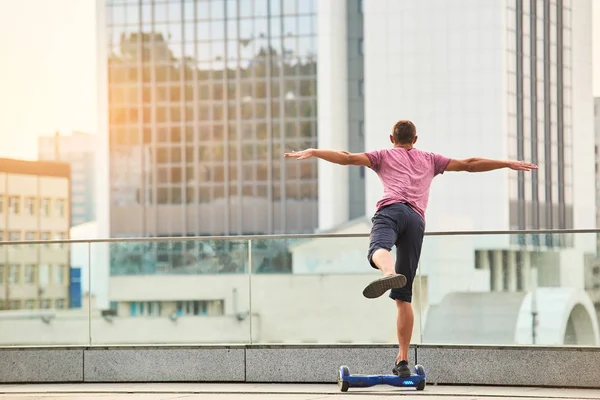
401 226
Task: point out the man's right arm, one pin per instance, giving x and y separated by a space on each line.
484 165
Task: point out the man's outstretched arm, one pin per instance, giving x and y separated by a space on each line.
333 156
484 165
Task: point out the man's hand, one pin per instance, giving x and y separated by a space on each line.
301 155
521 166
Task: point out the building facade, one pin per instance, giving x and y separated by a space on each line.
502 79
79 151
34 205
204 98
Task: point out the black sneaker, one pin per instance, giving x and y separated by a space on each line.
379 286
401 369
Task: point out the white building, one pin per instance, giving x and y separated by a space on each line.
78 150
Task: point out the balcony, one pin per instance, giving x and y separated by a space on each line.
213 309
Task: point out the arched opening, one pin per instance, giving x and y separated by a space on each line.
579 330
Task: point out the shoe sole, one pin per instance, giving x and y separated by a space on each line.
380 286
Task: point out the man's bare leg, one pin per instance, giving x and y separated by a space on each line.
383 259
404 326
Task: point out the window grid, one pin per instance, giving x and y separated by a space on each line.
549 141
168 85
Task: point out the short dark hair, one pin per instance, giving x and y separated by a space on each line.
404 132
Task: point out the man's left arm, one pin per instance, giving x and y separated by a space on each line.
333 156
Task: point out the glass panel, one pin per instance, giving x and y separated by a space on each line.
470 289
319 279
43 294
505 290
171 292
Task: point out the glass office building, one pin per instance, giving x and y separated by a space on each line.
204 98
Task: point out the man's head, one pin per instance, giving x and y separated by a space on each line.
404 134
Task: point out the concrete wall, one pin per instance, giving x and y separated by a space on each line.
466 365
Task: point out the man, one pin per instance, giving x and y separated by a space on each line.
406 174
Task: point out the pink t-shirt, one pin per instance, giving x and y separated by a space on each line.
406 175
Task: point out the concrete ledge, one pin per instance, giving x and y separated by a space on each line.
41 365
317 364
459 365
511 366
164 365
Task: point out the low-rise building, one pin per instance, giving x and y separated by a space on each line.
34 205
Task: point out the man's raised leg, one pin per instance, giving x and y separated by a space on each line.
383 237
384 261
391 280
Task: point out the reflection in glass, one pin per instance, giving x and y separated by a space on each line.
175 258
151 302
181 69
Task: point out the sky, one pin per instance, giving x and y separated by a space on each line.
48 74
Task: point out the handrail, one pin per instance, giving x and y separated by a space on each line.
293 236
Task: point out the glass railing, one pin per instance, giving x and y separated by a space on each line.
494 288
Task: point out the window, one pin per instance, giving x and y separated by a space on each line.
30 236
59 207
361 47
14 272
29 273
59 274
44 275
45 236
29 304
45 304
1 276
30 205
59 304
1 203
59 236
14 236
200 307
45 207
145 308
14 205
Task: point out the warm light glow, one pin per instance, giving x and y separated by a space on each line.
48 72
